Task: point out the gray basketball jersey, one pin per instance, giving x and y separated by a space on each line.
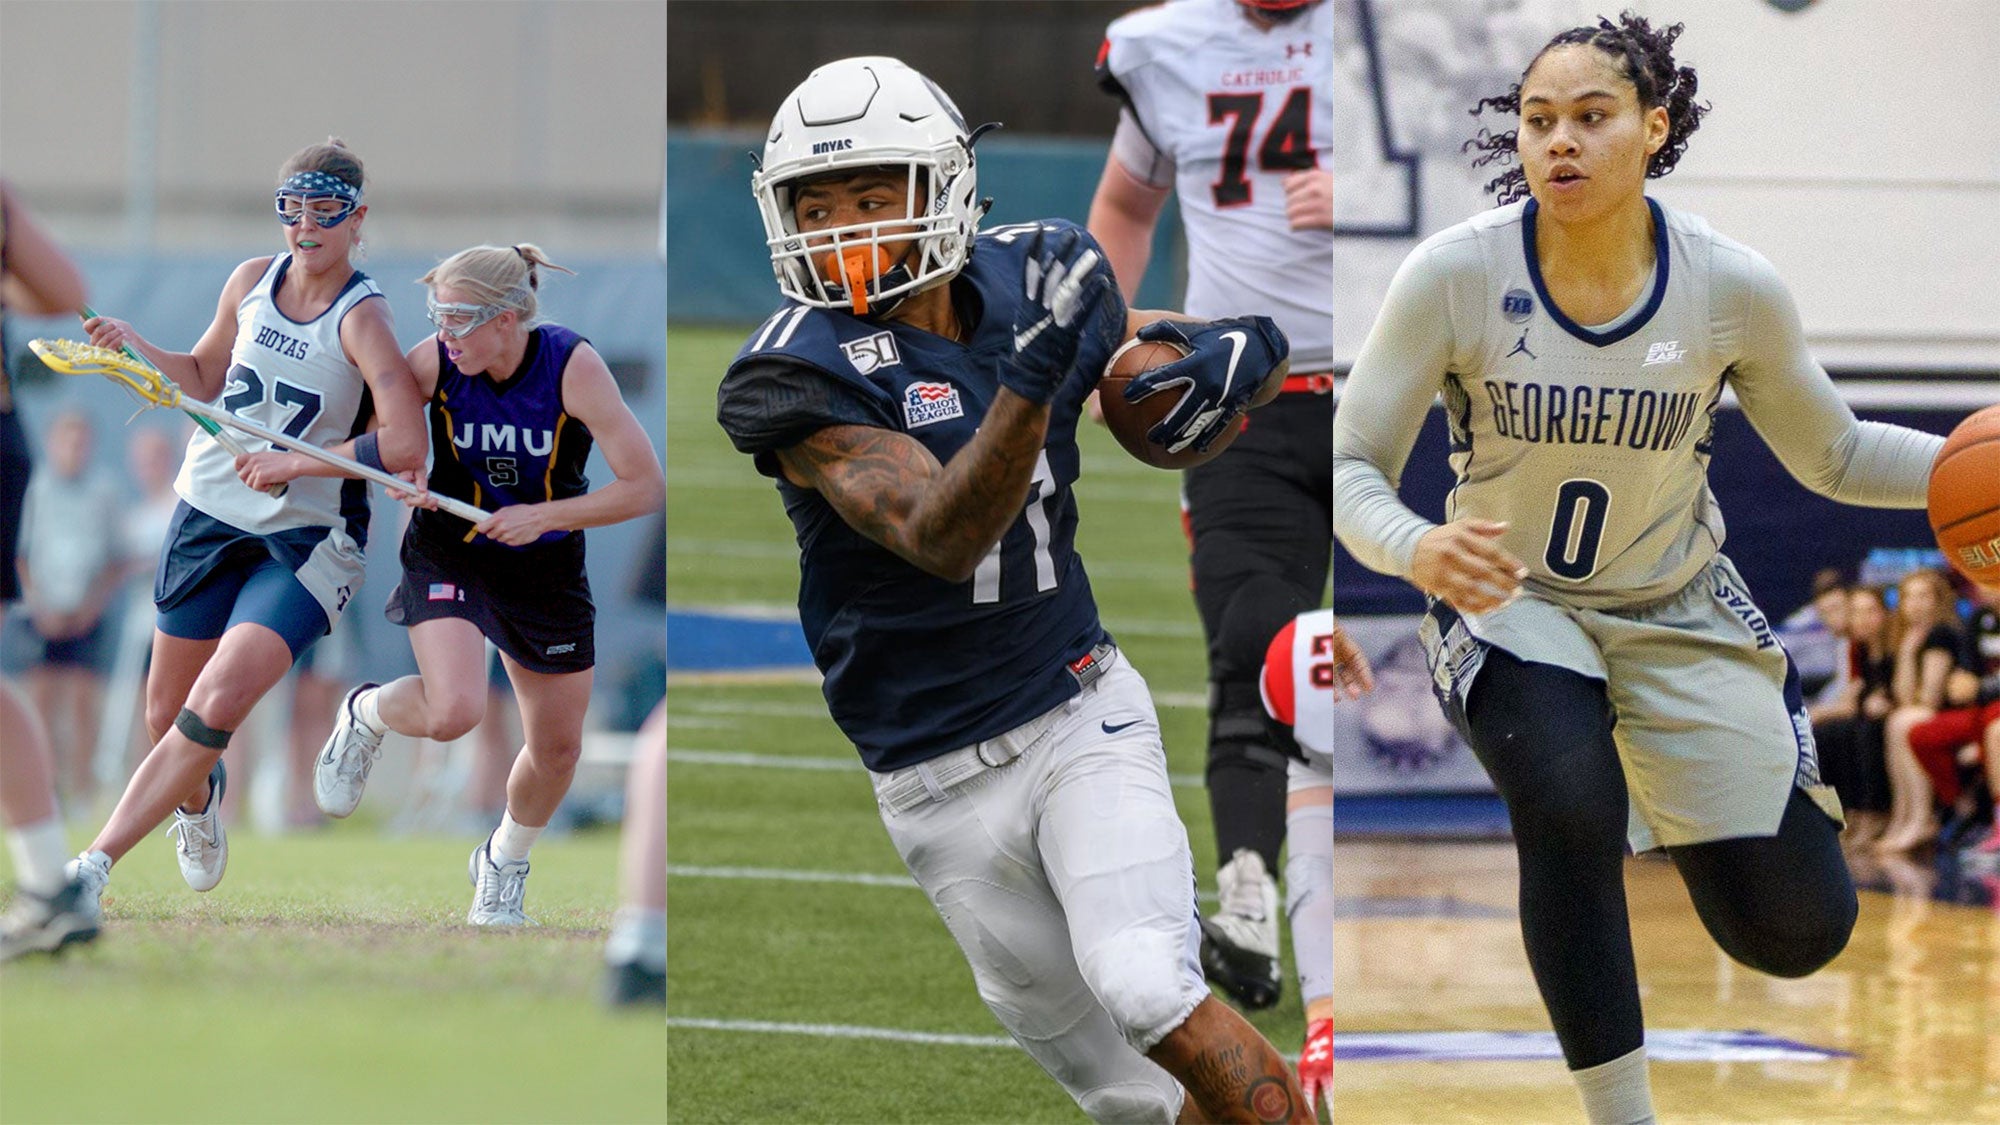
1592 442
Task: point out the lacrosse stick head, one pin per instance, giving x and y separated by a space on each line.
72 358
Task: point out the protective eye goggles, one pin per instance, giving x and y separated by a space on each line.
327 200
458 320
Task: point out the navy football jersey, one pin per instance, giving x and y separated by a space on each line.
496 444
916 666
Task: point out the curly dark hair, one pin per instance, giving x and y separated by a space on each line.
1646 58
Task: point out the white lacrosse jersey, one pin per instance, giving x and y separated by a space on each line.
1236 108
1298 680
1592 442
293 377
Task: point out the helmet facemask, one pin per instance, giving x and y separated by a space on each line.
869 115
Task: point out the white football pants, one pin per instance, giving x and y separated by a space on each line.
1066 878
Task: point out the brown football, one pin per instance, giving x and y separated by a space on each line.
1130 421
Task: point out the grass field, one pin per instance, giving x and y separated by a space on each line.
786 903
332 978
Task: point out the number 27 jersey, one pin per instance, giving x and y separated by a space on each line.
915 665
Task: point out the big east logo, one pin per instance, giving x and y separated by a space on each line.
925 403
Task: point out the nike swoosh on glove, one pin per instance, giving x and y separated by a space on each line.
1066 281
1226 364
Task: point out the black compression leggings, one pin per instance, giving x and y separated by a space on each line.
1781 904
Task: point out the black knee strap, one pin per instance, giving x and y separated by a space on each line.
200 733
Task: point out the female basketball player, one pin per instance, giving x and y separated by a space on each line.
516 406
1580 339
37 278
300 341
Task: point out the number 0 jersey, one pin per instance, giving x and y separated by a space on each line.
916 666
1236 108
294 377
1592 442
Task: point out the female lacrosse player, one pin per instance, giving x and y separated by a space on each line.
37 278
516 407
1580 339
300 342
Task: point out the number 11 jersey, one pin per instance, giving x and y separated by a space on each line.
917 666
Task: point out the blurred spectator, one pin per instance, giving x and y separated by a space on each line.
1931 644
152 459
1815 638
1950 744
1848 728
71 565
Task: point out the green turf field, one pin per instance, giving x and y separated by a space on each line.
332 978
768 805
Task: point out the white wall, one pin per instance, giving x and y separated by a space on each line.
1855 144
535 121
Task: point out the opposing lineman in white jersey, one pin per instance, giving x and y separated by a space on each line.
249 580
1223 108
1226 104
1601 656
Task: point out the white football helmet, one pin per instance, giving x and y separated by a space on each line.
857 113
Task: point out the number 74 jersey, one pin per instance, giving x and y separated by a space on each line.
1235 109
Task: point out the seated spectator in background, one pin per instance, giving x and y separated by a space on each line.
71 565
1815 636
1988 848
1950 743
1930 646
1848 728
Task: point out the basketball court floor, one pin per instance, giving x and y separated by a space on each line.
1438 1021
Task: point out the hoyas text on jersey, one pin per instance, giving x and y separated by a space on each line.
277 341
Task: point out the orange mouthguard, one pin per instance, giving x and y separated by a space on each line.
851 269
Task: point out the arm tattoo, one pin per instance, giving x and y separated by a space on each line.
941 518
1227 1074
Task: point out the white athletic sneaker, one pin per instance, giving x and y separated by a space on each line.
341 771
497 890
90 873
49 924
1239 946
202 846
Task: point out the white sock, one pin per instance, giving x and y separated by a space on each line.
365 709
39 852
1309 896
1618 1092
512 840
638 936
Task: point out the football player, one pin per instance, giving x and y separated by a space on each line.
1311 665
1226 103
916 401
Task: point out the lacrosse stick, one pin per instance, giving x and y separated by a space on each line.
222 437
145 381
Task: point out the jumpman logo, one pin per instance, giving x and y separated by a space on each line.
1520 348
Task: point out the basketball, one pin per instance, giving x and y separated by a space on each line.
1130 421
1965 497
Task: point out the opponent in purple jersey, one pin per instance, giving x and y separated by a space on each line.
515 406
917 403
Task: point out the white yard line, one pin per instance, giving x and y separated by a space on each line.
842 1031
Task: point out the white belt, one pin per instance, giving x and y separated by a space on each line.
933 779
